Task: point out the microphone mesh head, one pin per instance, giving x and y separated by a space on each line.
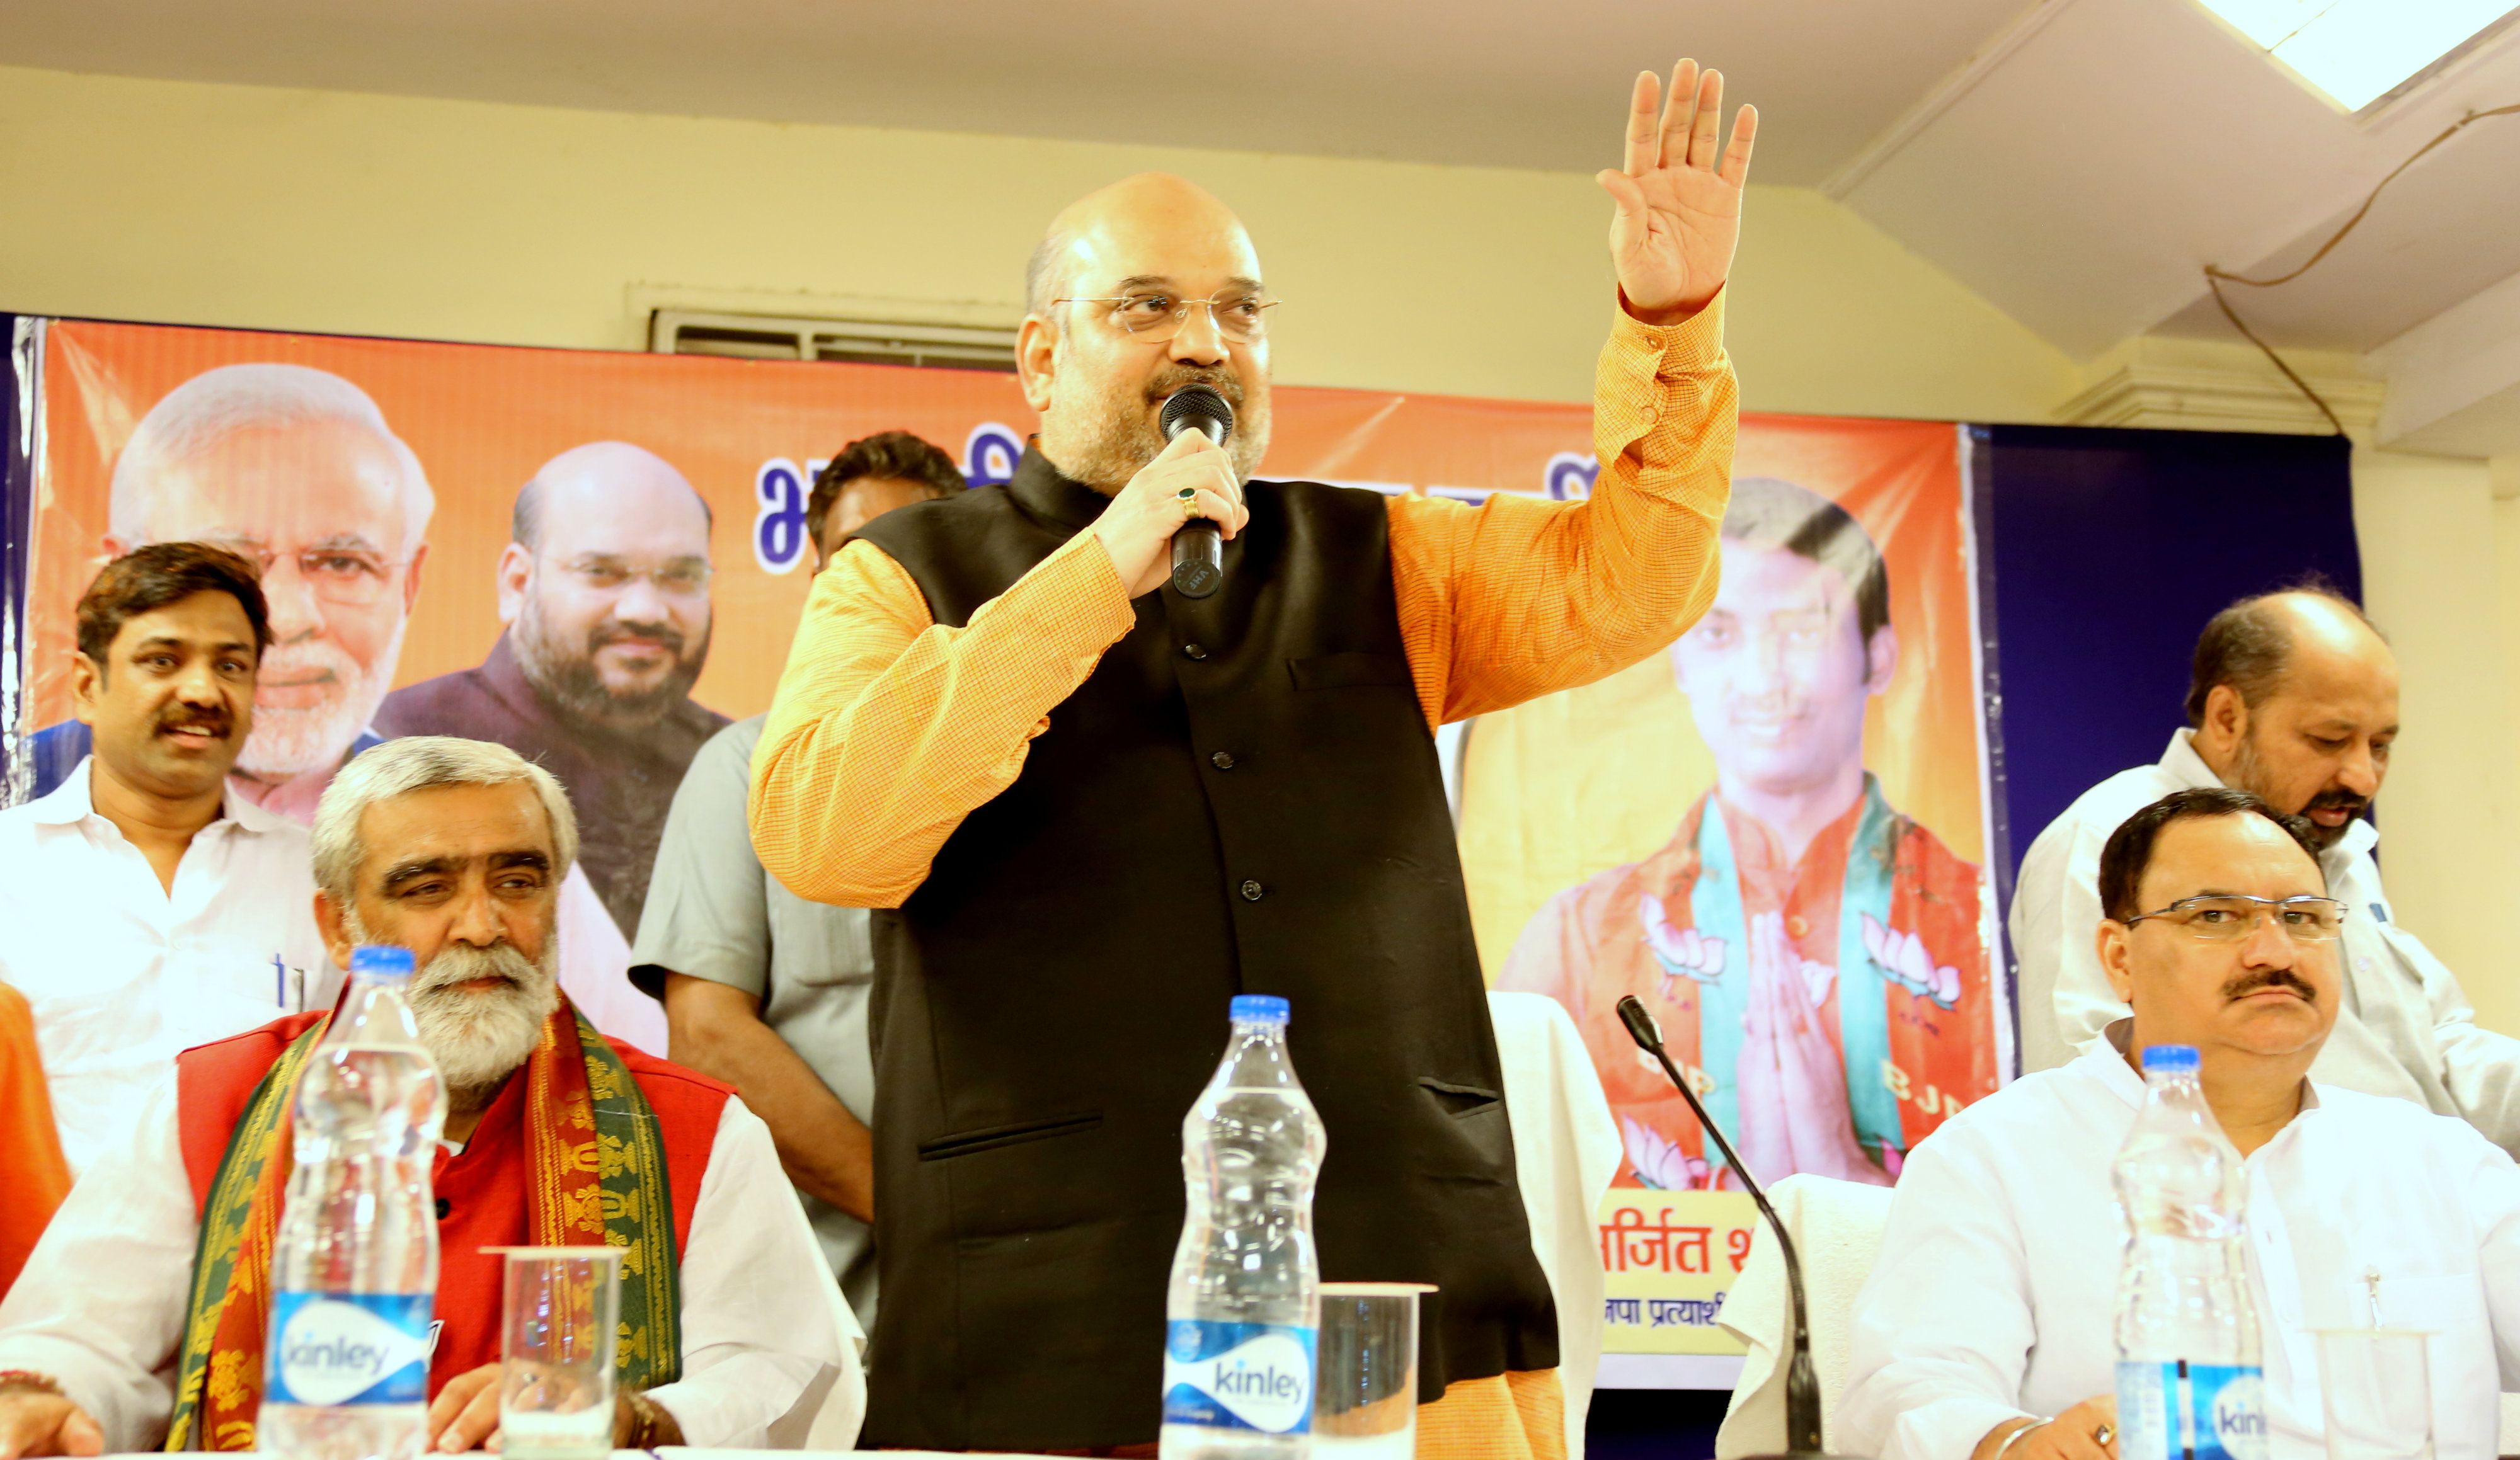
1200 406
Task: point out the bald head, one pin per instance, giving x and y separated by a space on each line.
1100 384
2294 697
604 479
1151 214
2251 646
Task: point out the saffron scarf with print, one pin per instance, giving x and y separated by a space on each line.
598 1179
1715 907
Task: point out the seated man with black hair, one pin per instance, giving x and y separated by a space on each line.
1985 1328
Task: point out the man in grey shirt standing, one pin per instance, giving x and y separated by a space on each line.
762 988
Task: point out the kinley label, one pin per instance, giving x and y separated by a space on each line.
349 1349
1238 1376
2183 1412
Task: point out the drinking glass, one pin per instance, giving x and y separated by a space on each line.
555 1352
1365 1389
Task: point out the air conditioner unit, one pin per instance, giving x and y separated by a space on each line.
759 336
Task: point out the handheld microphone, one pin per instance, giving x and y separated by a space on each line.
1802 1381
1198 552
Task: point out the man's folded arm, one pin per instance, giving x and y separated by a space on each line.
762 1316
888 729
1943 1331
101 1303
1516 598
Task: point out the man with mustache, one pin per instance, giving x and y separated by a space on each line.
2294 699
1090 811
1815 958
150 904
604 590
1986 1327
294 469
733 1333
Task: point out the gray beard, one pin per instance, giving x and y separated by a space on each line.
479 1039
1123 440
2249 774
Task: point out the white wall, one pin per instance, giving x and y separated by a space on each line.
2441 573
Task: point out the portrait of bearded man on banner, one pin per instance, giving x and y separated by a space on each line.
604 590
1817 961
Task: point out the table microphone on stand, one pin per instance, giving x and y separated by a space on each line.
1198 552
1802 1382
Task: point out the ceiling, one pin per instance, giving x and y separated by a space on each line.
1486 83
2075 162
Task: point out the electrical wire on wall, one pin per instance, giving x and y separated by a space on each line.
2216 277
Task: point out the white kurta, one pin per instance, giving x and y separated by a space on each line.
125 975
2404 1030
765 1333
1995 1286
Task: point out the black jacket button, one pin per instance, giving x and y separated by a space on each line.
1221 761
1193 651
445 1209
1251 891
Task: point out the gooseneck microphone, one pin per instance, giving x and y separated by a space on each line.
1198 552
1802 1381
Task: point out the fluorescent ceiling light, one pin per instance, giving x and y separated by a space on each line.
2358 51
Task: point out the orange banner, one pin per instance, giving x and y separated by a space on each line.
1696 829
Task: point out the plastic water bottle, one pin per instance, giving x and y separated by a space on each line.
1245 1303
354 1265
2189 1385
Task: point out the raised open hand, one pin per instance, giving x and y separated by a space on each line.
1679 198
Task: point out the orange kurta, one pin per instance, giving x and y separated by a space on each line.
32 1172
888 729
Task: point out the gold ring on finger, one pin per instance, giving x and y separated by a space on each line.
2103 1435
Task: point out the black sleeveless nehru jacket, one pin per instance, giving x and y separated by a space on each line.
1243 798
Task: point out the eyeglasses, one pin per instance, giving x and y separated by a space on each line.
352 577
1155 317
683 578
2232 918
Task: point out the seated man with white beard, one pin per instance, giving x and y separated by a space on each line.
734 1332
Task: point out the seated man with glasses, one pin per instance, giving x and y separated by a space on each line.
1985 1328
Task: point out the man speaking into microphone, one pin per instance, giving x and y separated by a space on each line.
1093 810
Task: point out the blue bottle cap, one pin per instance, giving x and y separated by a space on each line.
1259 1009
381 962
2169 1059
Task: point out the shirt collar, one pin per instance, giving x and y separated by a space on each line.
1047 491
70 804
2109 1064
2182 761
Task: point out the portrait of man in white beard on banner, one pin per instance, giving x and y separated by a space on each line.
295 470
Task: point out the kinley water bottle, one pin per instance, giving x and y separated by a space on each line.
2188 1383
354 1265
1245 1303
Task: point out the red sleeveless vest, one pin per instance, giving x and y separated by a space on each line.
481 1192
